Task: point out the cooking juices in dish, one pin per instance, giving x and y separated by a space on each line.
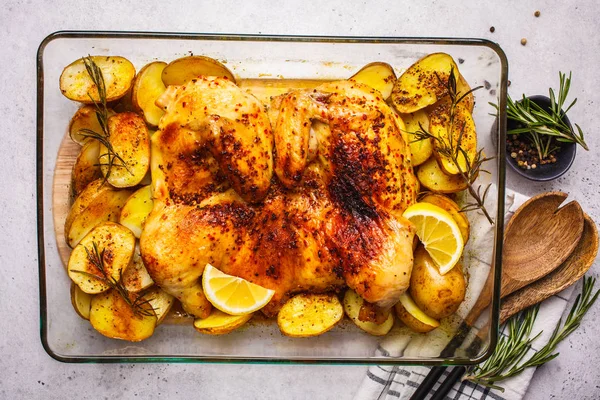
305 202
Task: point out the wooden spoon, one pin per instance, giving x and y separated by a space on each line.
538 238
574 267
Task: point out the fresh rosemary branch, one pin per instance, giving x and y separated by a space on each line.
103 137
95 74
139 305
507 360
454 151
543 126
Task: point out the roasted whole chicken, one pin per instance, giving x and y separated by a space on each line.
304 196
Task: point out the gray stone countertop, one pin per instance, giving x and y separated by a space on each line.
564 38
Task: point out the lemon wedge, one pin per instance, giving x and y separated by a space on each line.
438 232
233 295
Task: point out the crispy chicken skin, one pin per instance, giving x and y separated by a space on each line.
330 218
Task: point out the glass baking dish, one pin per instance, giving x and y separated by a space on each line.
68 338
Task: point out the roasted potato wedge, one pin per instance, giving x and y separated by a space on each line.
420 150
450 205
433 178
148 87
219 323
413 317
136 209
81 301
136 278
130 141
423 83
86 168
463 129
160 301
352 305
76 84
438 296
307 315
184 69
98 203
114 244
113 317
378 75
85 118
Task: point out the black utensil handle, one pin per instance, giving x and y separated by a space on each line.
450 380
428 383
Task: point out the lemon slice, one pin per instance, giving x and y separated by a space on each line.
438 232
233 295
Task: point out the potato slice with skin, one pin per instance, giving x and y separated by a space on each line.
130 140
136 210
352 305
306 315
113 317
438 296
86 168
433 178
98 203
81 301
116 242
148 87
85 118
118 74
420 150
219 323
413 317
184 69
136 278
423 83
463 128
160 301
379 76
450 205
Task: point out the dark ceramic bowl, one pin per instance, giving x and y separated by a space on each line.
564 156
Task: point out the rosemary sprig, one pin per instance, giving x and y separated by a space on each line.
507 360
454 151
139 305
543 126
97 77
113 159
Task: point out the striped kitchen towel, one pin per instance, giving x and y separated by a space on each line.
398 382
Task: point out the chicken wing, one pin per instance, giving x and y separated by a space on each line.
212 114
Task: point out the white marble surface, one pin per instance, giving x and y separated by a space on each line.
565 37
